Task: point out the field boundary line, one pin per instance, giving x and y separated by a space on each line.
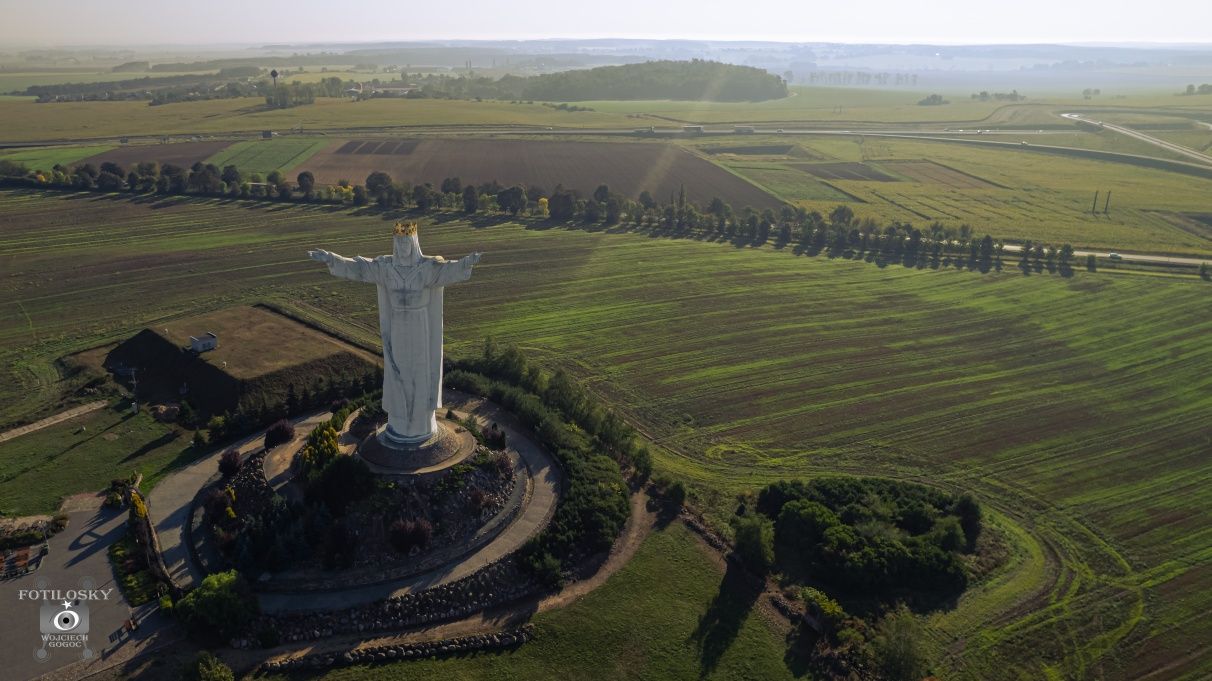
52 420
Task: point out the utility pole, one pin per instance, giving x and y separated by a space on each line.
134 402
1107 203
1094 207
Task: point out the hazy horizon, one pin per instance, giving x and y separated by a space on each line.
228 23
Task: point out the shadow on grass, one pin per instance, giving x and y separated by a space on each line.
720 625
665 512
801 652
151 445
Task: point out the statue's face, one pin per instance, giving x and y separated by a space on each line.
403 250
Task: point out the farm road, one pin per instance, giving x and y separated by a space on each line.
1136 134
1129 257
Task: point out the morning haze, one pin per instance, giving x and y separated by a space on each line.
144 22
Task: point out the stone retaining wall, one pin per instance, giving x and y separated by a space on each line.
496 584
405 651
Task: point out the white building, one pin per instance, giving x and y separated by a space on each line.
208 342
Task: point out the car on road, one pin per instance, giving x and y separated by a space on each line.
1114 256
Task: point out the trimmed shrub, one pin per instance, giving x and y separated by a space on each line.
281 432
229 462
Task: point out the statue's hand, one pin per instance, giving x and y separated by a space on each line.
321 255
474 258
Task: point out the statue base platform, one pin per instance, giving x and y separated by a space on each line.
448 445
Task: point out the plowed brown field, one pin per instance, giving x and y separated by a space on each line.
627 168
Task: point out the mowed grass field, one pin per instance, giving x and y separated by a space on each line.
1076 409
1010 193
46 158
266 156
81 455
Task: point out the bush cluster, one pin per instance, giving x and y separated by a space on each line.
405 535
221 606
871 536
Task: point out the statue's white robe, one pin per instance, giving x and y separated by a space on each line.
410 321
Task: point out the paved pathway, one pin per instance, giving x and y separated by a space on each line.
77 553
52 420
536 511
169 501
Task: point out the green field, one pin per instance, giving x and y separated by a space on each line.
639 625
1029 196
266 156
27 120
1074 408
45 158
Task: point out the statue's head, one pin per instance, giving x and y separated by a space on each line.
405 246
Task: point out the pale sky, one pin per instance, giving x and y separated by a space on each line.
161 22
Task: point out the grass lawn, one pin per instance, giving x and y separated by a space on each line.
45 158
82 455
641 624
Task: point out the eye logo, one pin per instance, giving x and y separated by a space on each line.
67 619
64 618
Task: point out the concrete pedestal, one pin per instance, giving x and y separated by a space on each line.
385 454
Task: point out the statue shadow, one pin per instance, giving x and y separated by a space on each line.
720 625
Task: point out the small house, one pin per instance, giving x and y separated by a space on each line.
201 344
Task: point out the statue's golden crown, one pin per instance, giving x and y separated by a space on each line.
405 230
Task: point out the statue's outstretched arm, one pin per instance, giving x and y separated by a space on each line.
357 269
459 270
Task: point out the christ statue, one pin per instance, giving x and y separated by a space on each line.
410 321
